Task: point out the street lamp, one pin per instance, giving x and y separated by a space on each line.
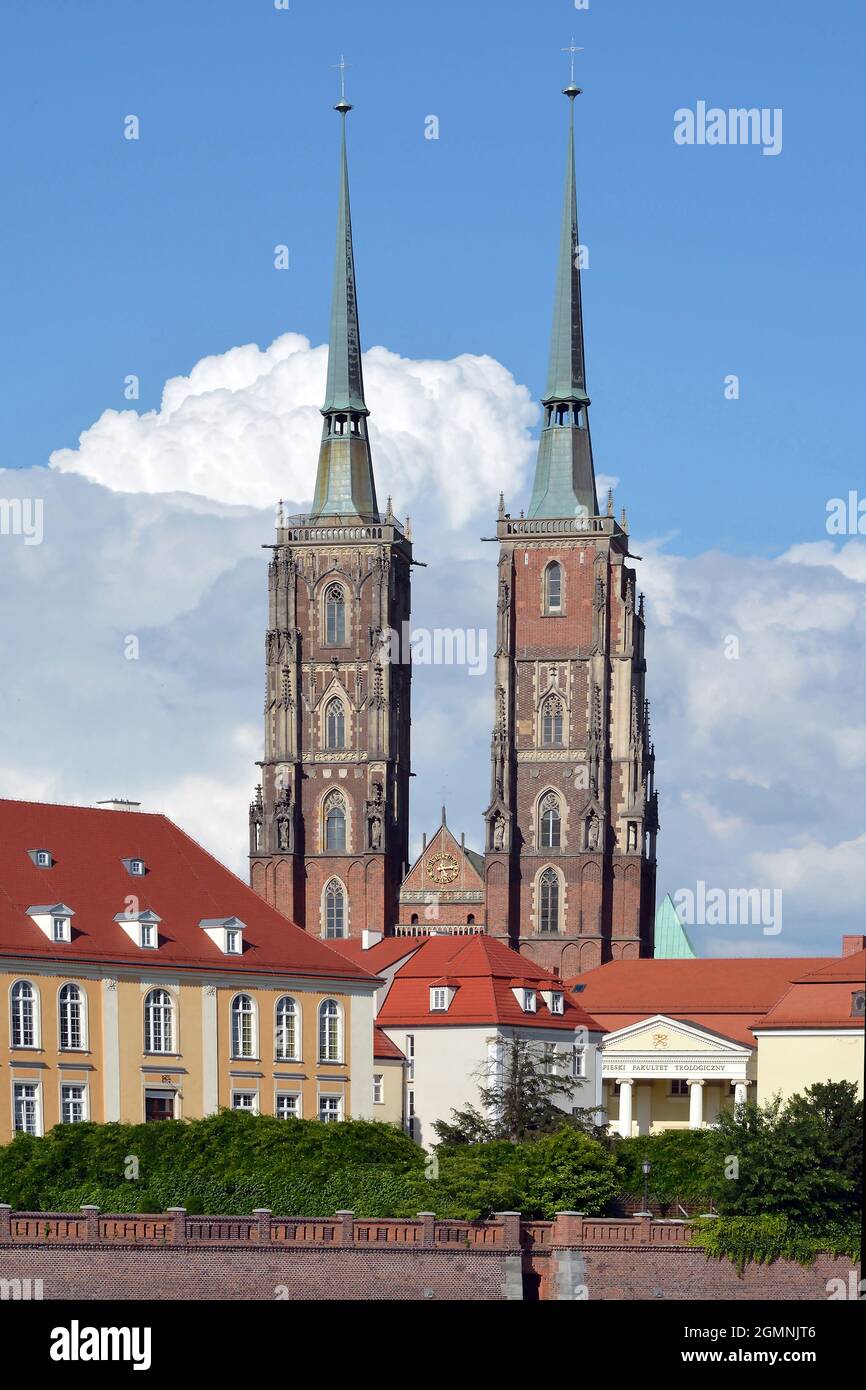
645 1167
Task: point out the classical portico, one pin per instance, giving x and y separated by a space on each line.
661 1073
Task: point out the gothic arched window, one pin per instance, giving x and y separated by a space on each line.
335 909
335 615
553 588
335 822
549 822
335 724
548 901
551 720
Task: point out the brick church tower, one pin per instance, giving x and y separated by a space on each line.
571 826
329 821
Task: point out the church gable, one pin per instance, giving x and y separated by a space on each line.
444 863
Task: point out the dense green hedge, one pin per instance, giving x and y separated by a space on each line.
763 1239
231 1163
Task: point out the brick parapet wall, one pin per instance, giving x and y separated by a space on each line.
172 1255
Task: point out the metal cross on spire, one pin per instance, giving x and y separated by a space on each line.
341 68
572 49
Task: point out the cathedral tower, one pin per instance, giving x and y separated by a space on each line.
329 821
571 826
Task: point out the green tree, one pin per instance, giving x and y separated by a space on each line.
784 1160
526 1097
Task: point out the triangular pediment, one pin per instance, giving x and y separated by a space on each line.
660 1034
441 851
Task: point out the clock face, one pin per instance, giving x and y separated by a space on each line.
442 868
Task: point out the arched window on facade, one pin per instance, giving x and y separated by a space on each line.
548 901
335 615
551 720
335 909
72 1029
286 1030
243 1026
335 821
335 724
549 822
158 1021
553 588
25 1014
330 1031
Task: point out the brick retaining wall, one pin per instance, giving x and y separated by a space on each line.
171 1255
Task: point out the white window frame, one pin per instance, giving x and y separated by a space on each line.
147 936
246 1093
578 1062
378 1088
238 1052
329 1053
294 1012
289 1095
233 941
677 1094
331 1116
36 1098
136 868
60 930
530 1001
84 1101
64 1008
35 1016
439 998
410 1056
43 859
167 1011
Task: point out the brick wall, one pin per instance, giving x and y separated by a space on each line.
91 1255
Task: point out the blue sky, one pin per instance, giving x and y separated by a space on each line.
144 256
155 258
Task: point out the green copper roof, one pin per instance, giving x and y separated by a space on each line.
566 374
345 389
344 480
564 483
671 938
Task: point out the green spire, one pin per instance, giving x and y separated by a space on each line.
345 389
671 938
564 476
344 482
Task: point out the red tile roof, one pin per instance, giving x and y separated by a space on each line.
821 998
726 996
482 970
384 1047
183 885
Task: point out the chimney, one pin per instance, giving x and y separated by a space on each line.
369 938
117 803
852 944
424 842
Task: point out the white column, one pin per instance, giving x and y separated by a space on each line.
625 1090
696 1104
643 1107
740 1093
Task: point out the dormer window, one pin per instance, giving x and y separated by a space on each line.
135 867
553 998
225 932
54 920
42 858
440 998
529 1002
141 928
